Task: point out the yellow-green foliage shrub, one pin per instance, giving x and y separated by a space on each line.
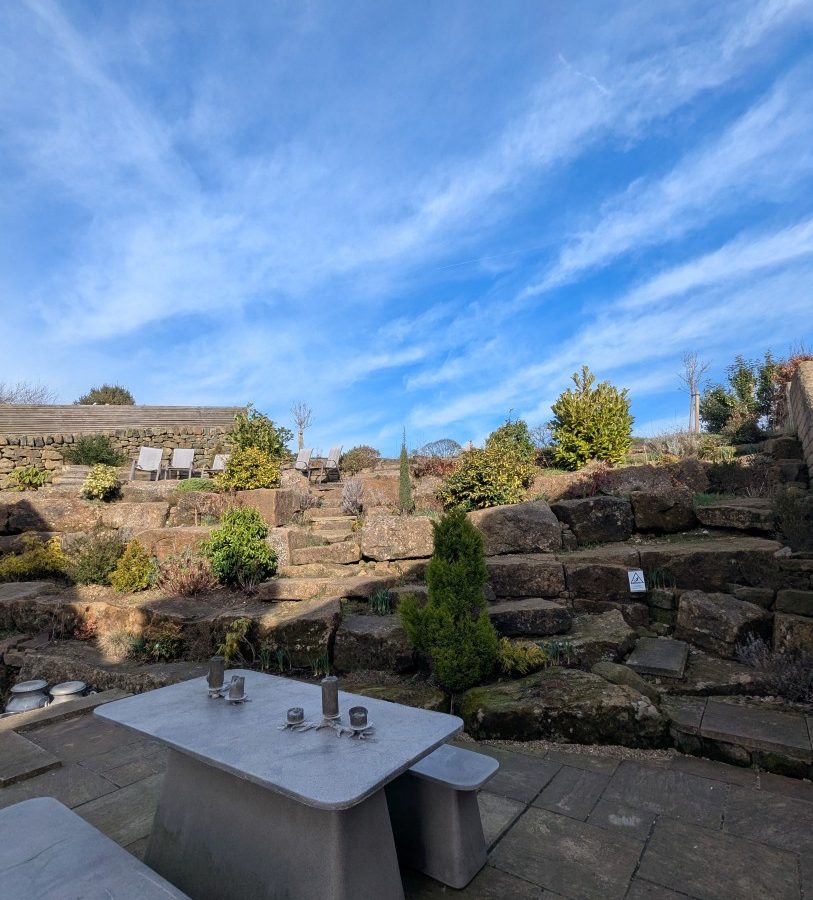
591 423
135 570
29 478
521 657
37 560
249 468
102 483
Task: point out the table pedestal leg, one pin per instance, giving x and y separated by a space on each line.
218 837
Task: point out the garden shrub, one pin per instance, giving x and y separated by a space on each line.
237 549
29 478
161 642
37 560
107 395
518 658
591 423
358 458
92 449
405 502
248 468
92 557
102 483
437 466
514 438
189 485
135 570
453 629
186 574
352 497
490 477
237 639
788 673
252 429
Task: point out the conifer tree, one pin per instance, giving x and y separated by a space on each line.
405 503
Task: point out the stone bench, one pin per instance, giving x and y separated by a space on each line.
435 817
48 852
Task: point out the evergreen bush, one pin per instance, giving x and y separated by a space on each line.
135 570
102 483
591 423
107 395
453 629
248 468
253 429
237 549
37 560
405 502
92 557
92 449
358 458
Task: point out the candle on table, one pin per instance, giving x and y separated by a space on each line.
237 687
330 697
296 715
217 667
358 716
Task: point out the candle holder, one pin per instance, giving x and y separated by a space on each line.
237 689
330 697
215 678
296 715
358 716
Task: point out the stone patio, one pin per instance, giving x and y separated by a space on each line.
558 823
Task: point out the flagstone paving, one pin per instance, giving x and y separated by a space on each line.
559 823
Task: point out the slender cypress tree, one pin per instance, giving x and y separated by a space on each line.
405 503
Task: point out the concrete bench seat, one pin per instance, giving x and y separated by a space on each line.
48 852
435 817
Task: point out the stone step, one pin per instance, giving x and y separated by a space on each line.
744 731
319 570
326 513
334 535
754 515
360 586
529 616
370 642
340 553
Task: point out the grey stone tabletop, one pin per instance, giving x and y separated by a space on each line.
316 768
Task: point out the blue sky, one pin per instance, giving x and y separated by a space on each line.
417 215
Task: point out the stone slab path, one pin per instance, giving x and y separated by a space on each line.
659 656
558 823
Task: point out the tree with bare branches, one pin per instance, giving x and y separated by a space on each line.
26 392
694 369
303 418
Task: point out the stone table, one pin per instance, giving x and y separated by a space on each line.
246 806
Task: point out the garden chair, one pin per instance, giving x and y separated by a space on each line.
149 460
182 461
303 460
328 467
218 465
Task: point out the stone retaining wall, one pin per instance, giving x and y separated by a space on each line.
801 407
46 450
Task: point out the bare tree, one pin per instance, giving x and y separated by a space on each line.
694 369
28 392
303 418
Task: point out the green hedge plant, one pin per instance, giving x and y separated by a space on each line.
102 483
591 422
253 429
248 468
93 556
358 458
135 570
453 629
92 449
237 549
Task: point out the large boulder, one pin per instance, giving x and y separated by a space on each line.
796 602
563 705
532 575
518 528
666 512
306 588
372 642
598 581
718 622
606 636
397 537
784 447
302 631
751 514
277 506
619 674
197 507
418 693
596 520
793 633
48 512
532 615
713 563
708 675
165 542
134 517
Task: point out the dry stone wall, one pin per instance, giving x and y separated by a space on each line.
800 396
47 450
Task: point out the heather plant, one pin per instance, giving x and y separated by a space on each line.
186 575
37 560
135 570
237 549
29 478
92 557
591 422
352 497
453 629
102 483
358 458
787 673
91 449
249 468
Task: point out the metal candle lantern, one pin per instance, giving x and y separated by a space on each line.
217 668
296 715
358 716
237 688
330 697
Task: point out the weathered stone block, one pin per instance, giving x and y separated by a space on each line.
796 602
750 514
372 642
134 516
341 553
718 622
397 537
595 520
519 528
165 542
793 633
601 637
598 581
531 575
303 630
668 512
277 506
532 615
